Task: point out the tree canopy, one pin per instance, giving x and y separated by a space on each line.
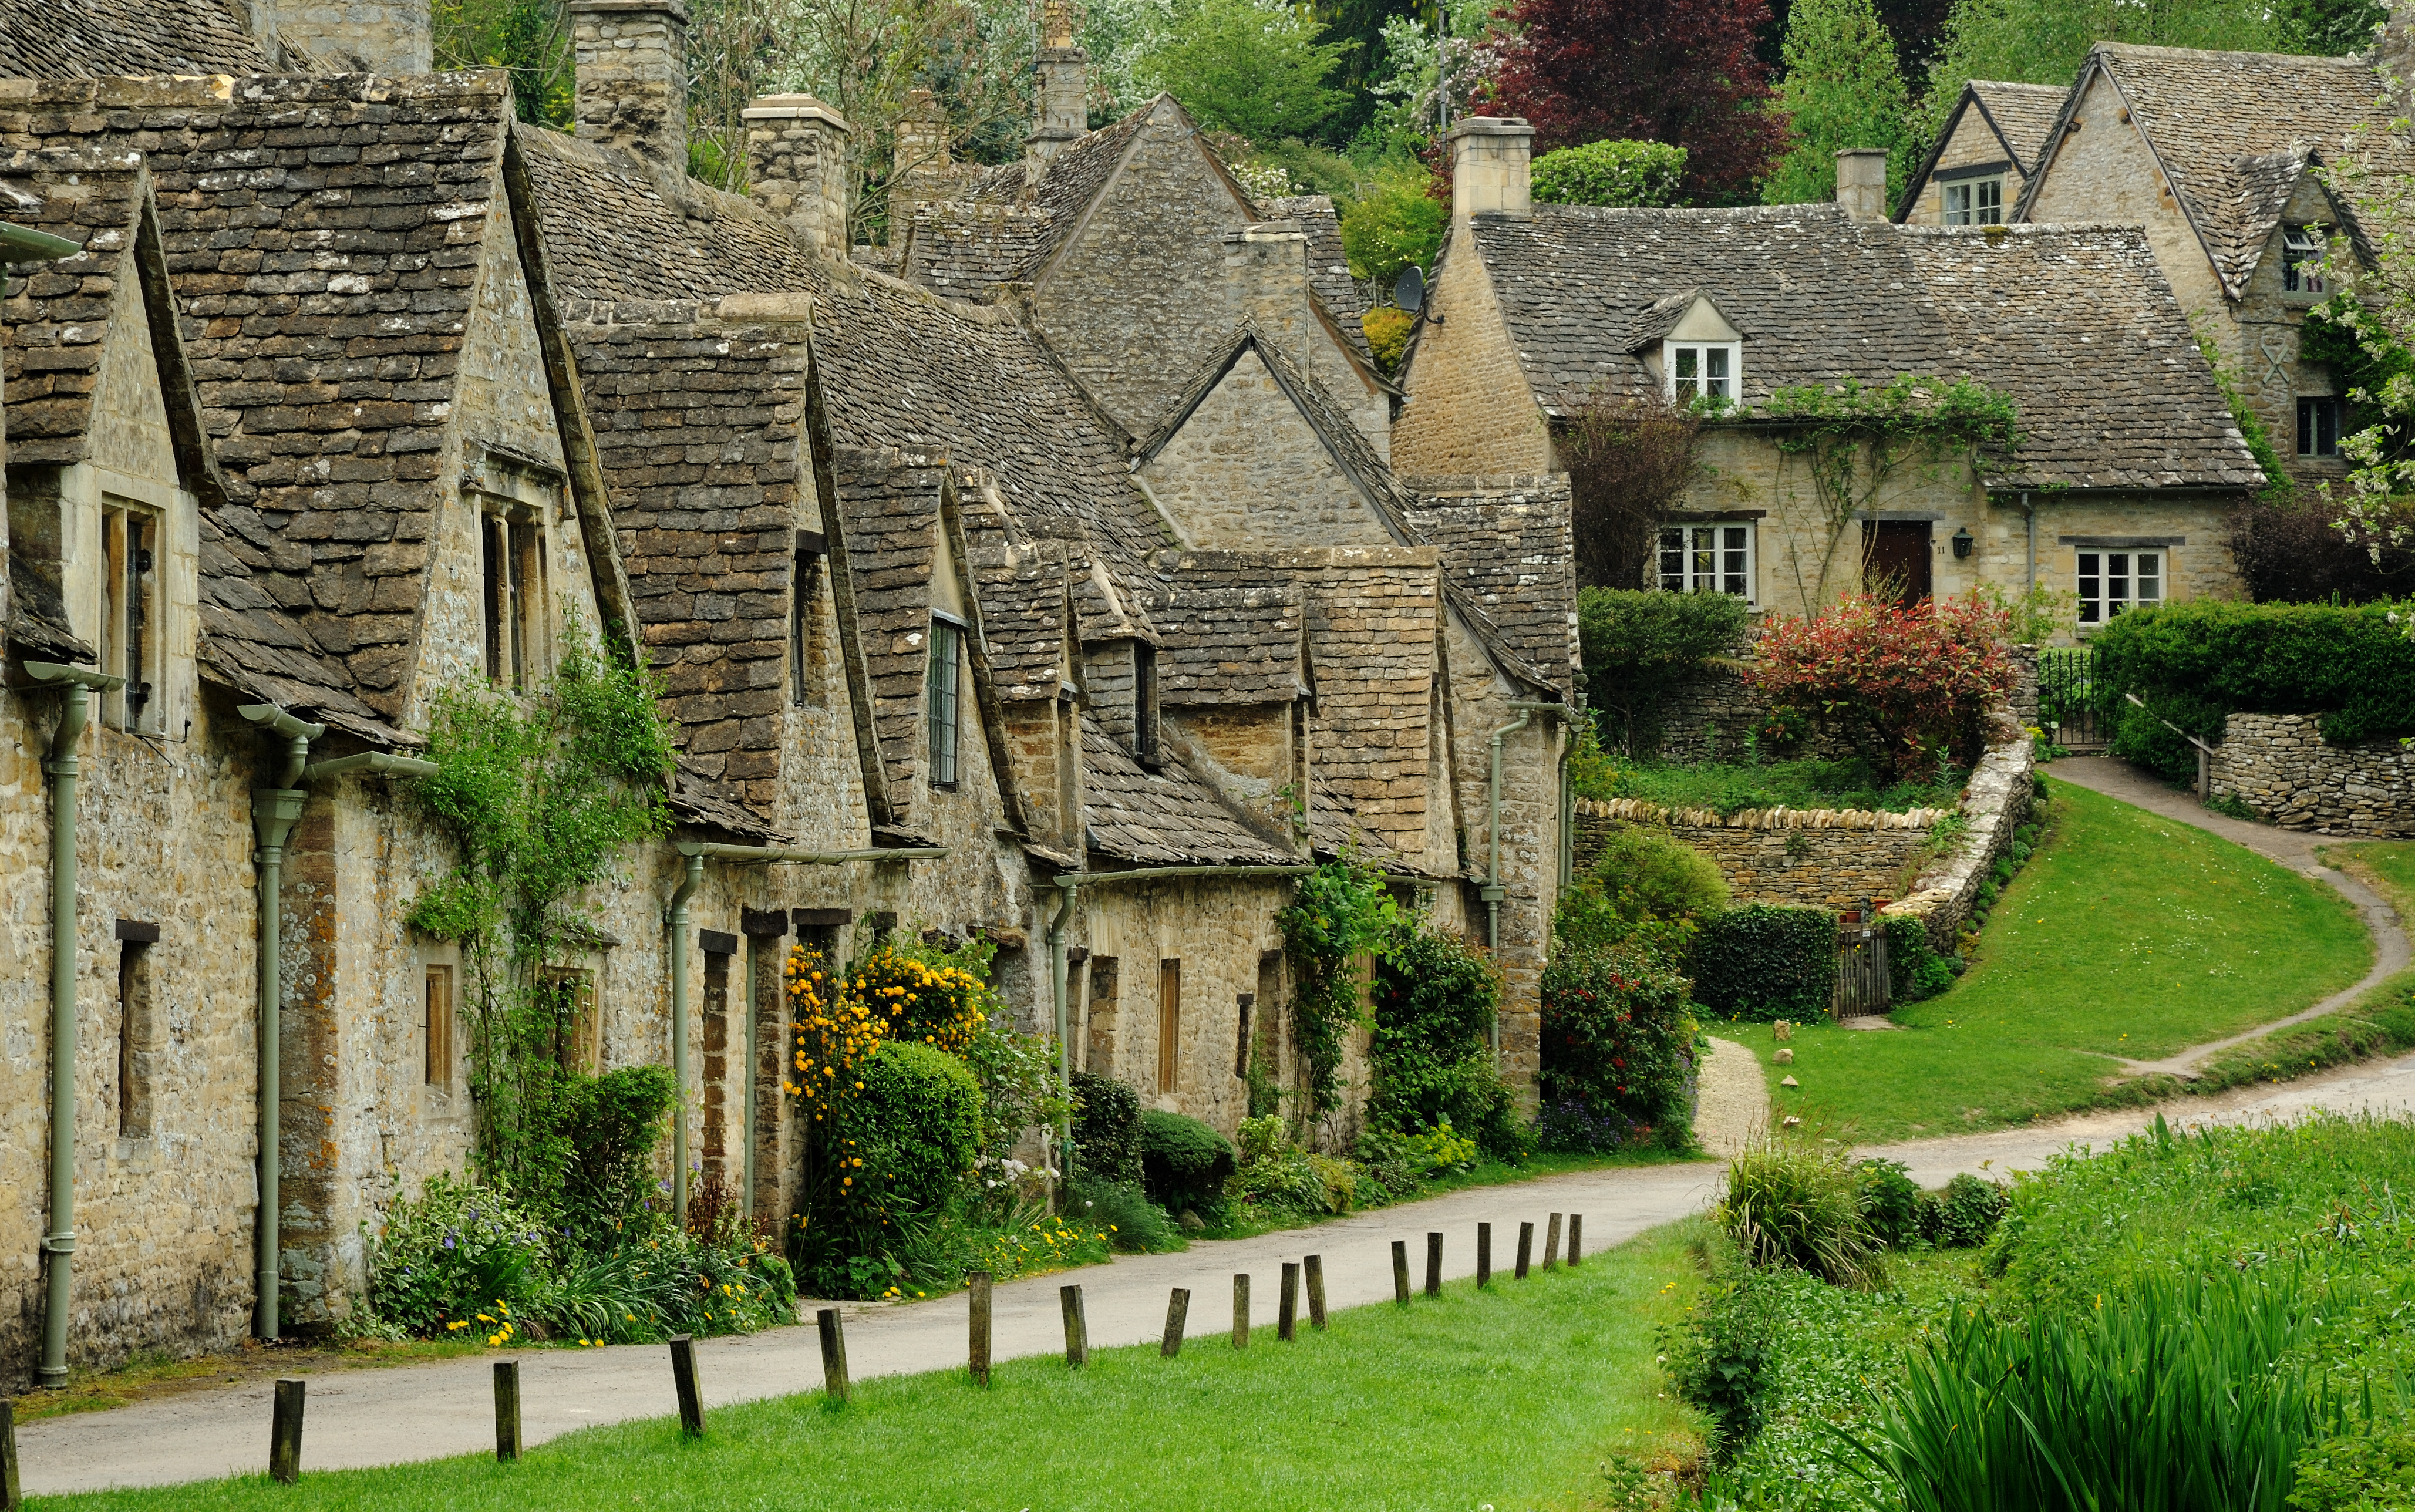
1254 69
1843 89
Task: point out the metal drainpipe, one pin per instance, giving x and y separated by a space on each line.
273 810
689 883
1493 892
2029 513
77 685
746 1142
1070 889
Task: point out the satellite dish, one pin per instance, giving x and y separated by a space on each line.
1409 290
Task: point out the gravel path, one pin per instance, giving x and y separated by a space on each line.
1732 1106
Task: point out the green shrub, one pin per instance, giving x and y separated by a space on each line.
1617 1040
1645 174
1184 1161
2199 660
1648 874
1725 1358
456 1250
1965 1213
609 1126
1106 1129
920 1124
1137 1225
1434 996
1790 1202
1891 1204
1915 969
1762 962
1396 223
1640 646
1276 1175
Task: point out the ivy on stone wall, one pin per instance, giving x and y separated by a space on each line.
1340 915
541 794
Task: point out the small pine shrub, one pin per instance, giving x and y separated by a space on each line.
1106 1129
1184 1162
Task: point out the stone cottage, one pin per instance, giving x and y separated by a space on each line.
1987 154
2120 490
2219 156
359 391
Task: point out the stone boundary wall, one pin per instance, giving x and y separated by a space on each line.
2280 766
1835 859
1995 801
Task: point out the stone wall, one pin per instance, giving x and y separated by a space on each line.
1835 859
2280 766
1995 801
1469 409
1246 447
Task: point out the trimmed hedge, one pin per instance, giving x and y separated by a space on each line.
1640 645
1184 1162
1434 995
2199 662
921 1121
1106 1129
1761 961
1642 175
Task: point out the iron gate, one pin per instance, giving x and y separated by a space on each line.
2071 706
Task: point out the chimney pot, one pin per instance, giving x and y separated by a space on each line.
1492 167
632 78
1861 182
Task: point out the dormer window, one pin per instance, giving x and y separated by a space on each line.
1976 202
942 698
1704 371
1145 703
2301 260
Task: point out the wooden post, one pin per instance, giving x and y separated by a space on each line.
1077 1328
1433 1265
1576 1240
690 1401
285 1433
1314 1267
980 1332
1552 1245
1177 1310
1525 1248
12 1494
1401 1271
833 1331
507 1411
1483 1255
1287 1310
1240 1312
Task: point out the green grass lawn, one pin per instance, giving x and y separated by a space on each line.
2126 934
1514 1399
1730 787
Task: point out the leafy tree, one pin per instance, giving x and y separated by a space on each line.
1643 173
1238 66
1679 72
2329 28
1630 458
529 38
1843 89
2025 42
1396 223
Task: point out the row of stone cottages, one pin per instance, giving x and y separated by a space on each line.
1062 545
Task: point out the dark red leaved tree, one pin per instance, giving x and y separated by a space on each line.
1680 72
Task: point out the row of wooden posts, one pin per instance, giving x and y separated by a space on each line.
285 1431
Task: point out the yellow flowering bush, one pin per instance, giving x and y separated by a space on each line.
843 1017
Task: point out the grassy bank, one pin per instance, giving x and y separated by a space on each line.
2126 936
1731 787
1498 1397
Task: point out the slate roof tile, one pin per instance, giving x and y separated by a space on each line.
1163 817
94 38
2023 114
1219 643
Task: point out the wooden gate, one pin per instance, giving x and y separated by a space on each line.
1863 985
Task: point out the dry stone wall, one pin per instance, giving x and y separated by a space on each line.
2280 766
1809 857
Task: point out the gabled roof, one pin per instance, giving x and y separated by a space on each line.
97 38
890 506
1328 265
2021 117
1220 643
1155 819
1654 322
1004 230
2026 310
2232 132
1508 546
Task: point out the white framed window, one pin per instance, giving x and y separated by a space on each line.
132 638
2112 582
2301 260
1707 558
1976 202
2318 425
1703 369
942 701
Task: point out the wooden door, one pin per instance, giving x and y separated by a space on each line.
1894 558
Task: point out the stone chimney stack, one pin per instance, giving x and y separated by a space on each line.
2393 53
1492 167
1064 70
387 36
923 170
797 157
632 78
1861 182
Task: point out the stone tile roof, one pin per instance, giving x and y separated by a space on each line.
1511 548
97 39
2078 325
2023 114
1823 299
58 325
323 234
889 507
2226 127
966 250
1163 817
614 236
1026 595
1220 643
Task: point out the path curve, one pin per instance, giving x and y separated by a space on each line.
2293 848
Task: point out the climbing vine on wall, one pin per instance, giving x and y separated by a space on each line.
1340 916
1856 438
541 794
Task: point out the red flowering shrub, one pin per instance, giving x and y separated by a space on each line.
1618 1045
1917 680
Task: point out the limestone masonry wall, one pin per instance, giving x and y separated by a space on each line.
2280 766
1809 857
